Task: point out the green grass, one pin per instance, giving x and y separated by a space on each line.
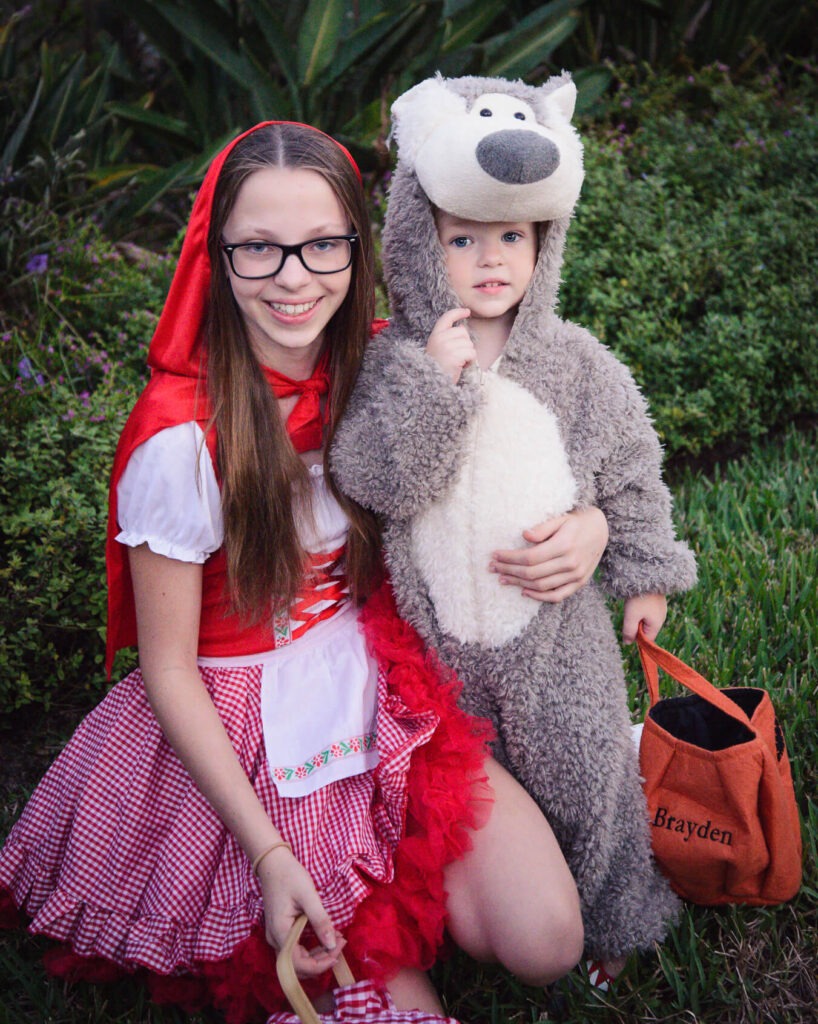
752 619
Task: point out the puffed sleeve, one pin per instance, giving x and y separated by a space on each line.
168 496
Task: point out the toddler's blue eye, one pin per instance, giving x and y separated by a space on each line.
485 112
511 236
460 242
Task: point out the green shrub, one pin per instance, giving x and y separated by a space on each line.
73 361
692 254
694 250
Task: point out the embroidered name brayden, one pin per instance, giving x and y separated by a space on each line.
690 828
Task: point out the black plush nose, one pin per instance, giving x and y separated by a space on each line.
517 157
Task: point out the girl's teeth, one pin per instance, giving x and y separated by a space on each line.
292 310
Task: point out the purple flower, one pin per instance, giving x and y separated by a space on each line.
26 371
37 264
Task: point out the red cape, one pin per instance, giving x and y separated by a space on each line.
177 390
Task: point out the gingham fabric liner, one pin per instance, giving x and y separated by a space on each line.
363 1002
118 852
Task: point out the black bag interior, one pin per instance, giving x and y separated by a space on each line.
695 721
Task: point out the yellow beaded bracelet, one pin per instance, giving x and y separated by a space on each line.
264 853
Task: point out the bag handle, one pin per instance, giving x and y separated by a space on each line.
296 996
652 655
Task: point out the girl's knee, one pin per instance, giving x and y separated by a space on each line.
512 898
539 938
551 950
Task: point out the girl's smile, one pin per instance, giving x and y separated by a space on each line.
293 313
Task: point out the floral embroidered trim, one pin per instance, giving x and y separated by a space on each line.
343 748
281 630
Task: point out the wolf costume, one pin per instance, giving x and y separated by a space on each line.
459 470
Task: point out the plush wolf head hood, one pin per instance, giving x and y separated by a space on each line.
481 149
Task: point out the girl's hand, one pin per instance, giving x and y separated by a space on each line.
560 558
650 610
288 891
450 345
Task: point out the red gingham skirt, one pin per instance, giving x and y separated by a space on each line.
119 856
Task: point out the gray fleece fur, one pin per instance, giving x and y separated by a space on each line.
556 692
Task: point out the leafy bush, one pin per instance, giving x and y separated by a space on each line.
694 250
693 259
72 363
59 151
674 33
134 117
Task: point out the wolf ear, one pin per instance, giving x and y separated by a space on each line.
417 113
557 105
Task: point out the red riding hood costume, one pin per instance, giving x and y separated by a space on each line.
118 855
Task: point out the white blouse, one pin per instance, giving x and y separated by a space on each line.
168 497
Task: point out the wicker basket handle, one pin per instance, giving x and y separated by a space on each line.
295 994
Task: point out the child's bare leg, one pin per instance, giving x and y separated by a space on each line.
411 990
512 898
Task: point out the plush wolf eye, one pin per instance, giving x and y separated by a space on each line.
520 115
485 112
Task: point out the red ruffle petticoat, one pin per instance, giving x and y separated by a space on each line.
119 856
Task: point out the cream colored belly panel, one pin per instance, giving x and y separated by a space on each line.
516 476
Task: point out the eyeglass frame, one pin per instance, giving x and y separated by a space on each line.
291 250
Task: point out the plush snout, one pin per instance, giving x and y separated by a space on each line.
517 157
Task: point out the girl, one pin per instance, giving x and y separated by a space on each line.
278 750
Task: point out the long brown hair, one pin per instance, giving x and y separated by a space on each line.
265 486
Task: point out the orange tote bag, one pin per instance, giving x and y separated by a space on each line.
723 816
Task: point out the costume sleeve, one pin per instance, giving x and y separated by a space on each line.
168 496
643 555
404 430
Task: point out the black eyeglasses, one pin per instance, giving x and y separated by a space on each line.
254 260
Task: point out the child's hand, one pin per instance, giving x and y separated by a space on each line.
560 558
650 610
450 345
288 891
